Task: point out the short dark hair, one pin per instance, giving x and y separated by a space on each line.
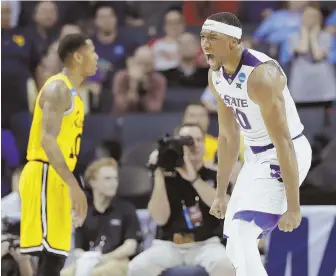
177 130
69 44
227 18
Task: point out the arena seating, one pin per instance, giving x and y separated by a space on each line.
135 185
137 154
313 119
147 127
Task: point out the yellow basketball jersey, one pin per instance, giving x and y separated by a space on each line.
69 137
211 145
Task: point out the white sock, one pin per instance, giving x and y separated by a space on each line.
242 249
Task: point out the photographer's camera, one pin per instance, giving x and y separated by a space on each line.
170 152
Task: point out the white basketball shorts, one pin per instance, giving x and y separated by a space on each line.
259 194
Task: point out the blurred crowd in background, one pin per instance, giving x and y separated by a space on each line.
152 76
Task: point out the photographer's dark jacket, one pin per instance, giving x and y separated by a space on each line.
181 191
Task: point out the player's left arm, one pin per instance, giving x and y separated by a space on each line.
265 87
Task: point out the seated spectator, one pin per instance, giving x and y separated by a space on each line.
110 233
16 11
180 205
196 113
10 159
12 262
277 27
11 206
139 87
196 12
122 11
312 78
19 59
150 13
188 73
9 150
112 47
165 49
331 29
44 31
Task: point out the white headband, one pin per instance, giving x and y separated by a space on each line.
212 25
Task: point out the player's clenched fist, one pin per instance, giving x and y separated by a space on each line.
290 221
218 207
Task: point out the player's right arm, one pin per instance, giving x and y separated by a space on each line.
228 142
54 101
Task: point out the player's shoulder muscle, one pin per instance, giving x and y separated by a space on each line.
56 94
266 82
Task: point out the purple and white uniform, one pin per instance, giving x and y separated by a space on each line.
259 193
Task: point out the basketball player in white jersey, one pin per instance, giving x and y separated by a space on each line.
253 99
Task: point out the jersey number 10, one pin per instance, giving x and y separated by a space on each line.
241 118
75 148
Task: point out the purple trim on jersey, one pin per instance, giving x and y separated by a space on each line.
259 149
266 221
230 79
251 60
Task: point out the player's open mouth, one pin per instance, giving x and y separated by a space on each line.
210 59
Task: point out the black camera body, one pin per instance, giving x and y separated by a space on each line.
171 151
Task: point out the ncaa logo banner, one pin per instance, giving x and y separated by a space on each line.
310 250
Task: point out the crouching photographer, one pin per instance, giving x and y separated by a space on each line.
184 190
12 262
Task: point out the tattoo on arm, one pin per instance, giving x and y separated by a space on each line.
54 101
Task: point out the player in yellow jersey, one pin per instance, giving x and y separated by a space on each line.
51 198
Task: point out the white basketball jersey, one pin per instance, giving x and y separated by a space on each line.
233 91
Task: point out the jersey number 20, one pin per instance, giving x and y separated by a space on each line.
241 118
76 146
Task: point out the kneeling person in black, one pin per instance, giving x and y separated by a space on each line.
180 205
111 229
